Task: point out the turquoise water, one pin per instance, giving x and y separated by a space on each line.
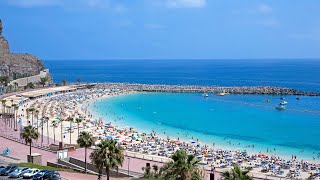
225 121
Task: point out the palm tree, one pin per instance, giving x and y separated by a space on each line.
54 125
37 116
182 167
47 121
61 126
43 81
10 87
3 101
13 106
236 174
15 85
28 134
85 141
111 155
42 121
148 173
64 82
97 160
32 110
28 115
70 119
78 121
16 108
9 116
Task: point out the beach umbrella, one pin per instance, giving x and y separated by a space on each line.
209 159
173 140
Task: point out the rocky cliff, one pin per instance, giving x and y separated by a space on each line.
17 65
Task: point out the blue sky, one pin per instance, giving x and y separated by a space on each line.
163 29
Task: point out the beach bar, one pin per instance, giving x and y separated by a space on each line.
47 92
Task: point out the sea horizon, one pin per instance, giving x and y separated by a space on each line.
300 75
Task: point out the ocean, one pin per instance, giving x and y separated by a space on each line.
298 74
233 121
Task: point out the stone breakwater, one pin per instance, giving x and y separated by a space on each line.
208 89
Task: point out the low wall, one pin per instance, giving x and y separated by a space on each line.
91 167
33 79
147 157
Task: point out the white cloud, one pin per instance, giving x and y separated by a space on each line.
264 9
185 3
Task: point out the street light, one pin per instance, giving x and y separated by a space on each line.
128 166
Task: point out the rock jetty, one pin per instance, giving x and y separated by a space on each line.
270 90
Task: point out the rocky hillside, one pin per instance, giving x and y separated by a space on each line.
17 65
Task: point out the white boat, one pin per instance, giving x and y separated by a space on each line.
221 94
280 107
205 95
283 102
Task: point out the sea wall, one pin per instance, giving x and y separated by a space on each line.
31 79
209 89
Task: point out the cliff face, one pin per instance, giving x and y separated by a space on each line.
17 65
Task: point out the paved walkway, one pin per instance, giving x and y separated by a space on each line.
20 151
79 176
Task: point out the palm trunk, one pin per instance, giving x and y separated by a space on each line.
85 160
61 132
78 131
9 117
30 159
37 124
108 173
32 119
20 125
54 135
48 131
70 131
15 120
5 118
3 115
13 117
41 131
